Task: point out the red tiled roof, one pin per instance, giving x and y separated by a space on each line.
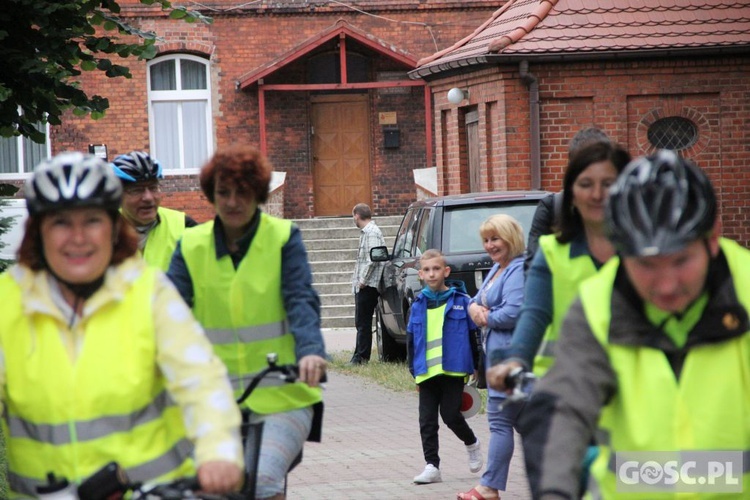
571 28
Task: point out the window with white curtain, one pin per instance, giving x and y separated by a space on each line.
19 155
180 111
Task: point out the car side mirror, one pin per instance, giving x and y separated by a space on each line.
379 254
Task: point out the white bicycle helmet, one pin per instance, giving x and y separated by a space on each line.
72 179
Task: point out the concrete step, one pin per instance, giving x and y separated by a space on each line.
331 244
334 311
332 277
342 266
344 256
338 288
339 322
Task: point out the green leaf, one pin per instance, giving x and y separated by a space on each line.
109 26
88 65
178 13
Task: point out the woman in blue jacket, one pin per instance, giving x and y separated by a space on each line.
495 309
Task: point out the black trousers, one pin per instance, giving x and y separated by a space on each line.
441 395
365 301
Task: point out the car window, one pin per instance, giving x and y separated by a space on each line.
461 224
423 232
404 246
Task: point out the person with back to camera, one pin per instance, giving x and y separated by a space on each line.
441 345
158 228
653 355
101 359
248 280
365 281
495 309
547 213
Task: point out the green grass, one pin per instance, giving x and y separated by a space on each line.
393 376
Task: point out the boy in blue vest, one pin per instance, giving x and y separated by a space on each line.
442 350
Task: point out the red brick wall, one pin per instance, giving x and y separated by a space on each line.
621 98
242 40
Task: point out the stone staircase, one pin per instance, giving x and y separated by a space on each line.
331 244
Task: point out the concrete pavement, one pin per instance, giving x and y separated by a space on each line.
371 447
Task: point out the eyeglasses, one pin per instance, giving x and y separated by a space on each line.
138 191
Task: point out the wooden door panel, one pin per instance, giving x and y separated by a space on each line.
341 152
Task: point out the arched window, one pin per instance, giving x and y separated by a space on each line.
179 97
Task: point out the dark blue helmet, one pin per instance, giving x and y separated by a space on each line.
137 166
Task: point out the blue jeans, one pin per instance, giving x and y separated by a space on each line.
501 442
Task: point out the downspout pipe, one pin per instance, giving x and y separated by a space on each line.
532 83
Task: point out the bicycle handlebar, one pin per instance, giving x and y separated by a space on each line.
521 382
288 373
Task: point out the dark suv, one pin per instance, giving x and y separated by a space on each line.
451 225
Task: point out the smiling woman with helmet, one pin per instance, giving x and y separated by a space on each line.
100 360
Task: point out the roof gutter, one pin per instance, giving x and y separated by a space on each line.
532 83
441 70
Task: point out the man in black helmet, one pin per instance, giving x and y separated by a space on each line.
159 228
654 356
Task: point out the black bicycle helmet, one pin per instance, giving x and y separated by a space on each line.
658 205
137 166
72 180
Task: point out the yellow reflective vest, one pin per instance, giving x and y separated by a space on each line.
242 311
707 408
567 274
162 239
111 403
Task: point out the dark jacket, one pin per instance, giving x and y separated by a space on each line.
559 420
546 216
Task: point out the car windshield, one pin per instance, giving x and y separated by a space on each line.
461 224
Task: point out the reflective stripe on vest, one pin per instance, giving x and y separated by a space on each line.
162 239
434 345
66 433
159 467
111 404
567 274
705 410
243 311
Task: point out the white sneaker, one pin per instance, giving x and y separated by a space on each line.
476 459
430 474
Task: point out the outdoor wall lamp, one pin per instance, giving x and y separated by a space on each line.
456 95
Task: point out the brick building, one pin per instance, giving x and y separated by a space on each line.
269 73
653 73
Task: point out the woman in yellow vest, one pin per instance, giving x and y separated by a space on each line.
247 278
655 355
564 259
102 361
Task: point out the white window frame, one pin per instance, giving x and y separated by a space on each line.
179 96
20 173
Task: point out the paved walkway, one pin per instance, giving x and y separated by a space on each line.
371 447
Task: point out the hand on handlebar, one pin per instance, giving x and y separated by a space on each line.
497 375
311 369
219 476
